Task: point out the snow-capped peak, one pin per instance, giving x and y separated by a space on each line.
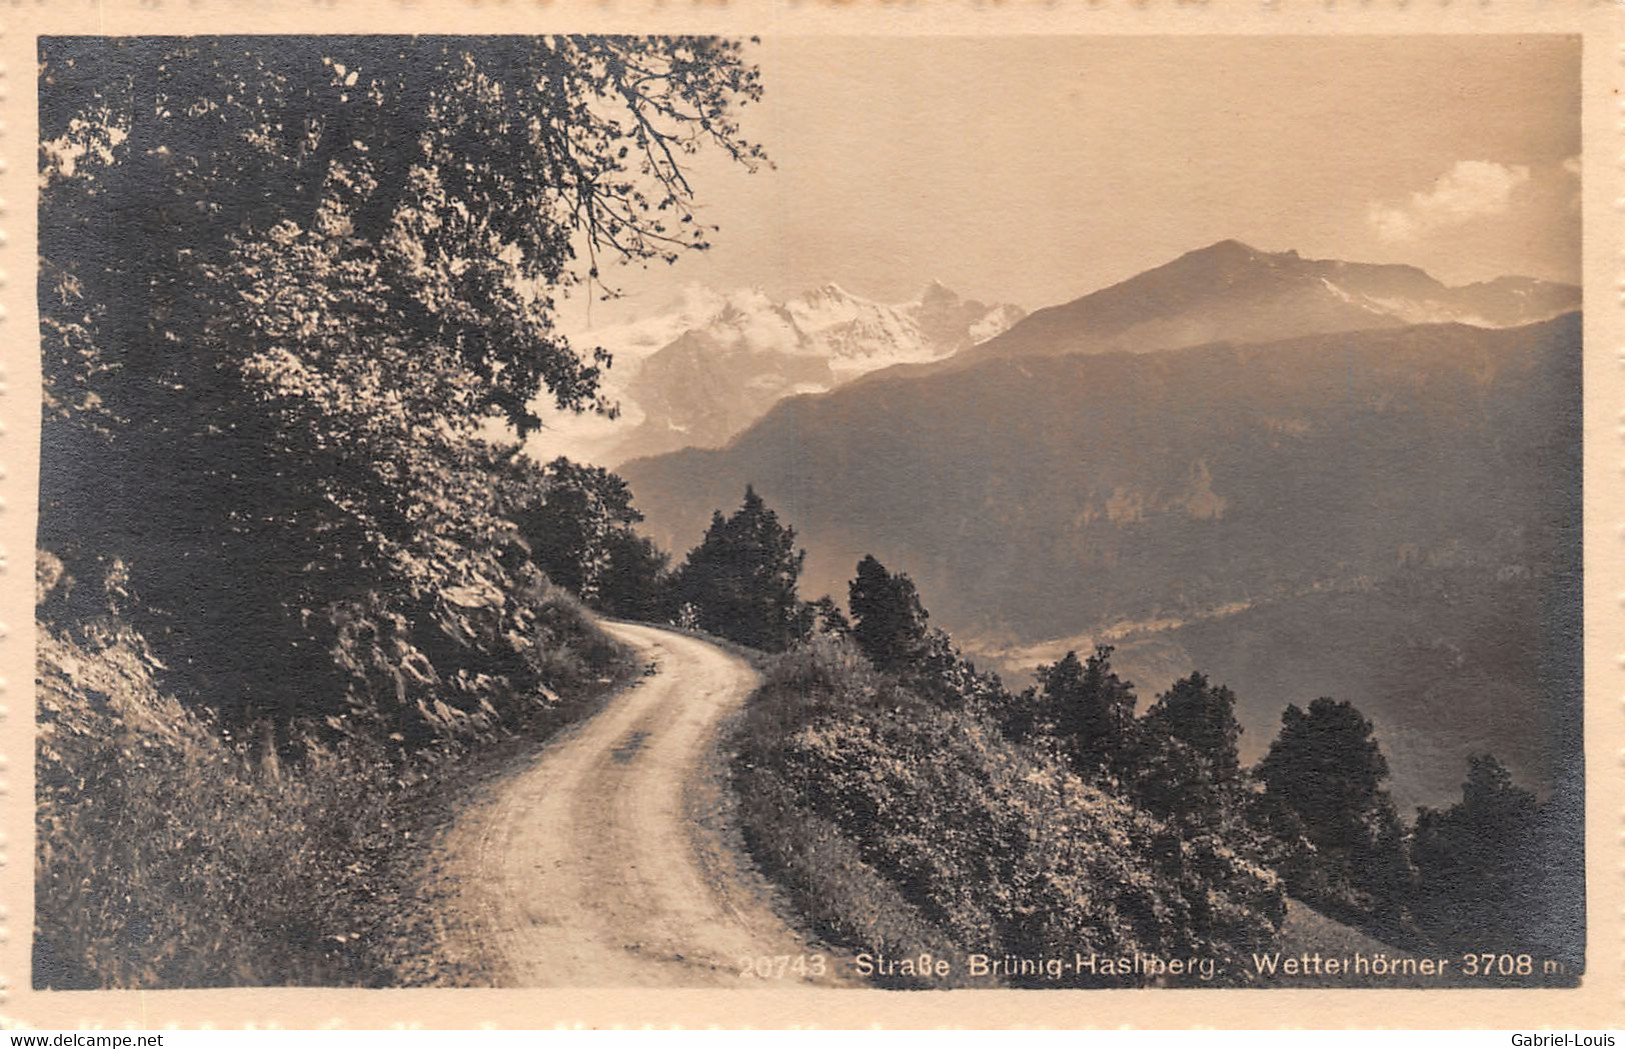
714 361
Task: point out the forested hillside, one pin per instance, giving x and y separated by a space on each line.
1428 473
908 802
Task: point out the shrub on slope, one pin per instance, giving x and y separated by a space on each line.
986 844
176 851
167 854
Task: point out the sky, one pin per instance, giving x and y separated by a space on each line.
1034 170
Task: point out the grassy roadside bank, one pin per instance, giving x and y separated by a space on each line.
174 852
897 824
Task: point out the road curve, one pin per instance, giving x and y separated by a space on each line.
606 861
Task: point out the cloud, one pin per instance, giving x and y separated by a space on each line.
1470 190
1573 167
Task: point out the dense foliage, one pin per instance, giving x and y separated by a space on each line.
1494 870
1088 710
900 761
578 525
1341 839
269 404
740 582
289 288
990 845
178 851
910 802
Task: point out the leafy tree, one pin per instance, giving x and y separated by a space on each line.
1381 867
634 583
1479 864
577 521
1203 717
1187 768
741 579
268 404
1326 767
1326 770
1091 710
889 622
571 525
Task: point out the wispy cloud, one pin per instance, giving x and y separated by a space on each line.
1572 166
1471 189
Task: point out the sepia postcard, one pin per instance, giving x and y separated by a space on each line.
978 515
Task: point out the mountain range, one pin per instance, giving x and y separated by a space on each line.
708 365
1385 513
1230 292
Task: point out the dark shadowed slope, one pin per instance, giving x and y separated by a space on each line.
1051 495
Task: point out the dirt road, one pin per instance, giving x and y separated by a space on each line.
609 860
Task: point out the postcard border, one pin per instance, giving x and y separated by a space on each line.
1598 1002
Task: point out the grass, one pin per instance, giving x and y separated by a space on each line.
171 853
843 898
898 825
169 856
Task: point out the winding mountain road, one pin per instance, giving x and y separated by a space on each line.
609 859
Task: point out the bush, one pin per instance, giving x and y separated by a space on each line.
997 847
177 850
172 855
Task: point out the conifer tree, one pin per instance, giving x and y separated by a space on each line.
1091 709
741 579
1326 766
889 620
1479 865
1323 798
1187 767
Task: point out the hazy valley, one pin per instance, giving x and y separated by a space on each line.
1373 514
